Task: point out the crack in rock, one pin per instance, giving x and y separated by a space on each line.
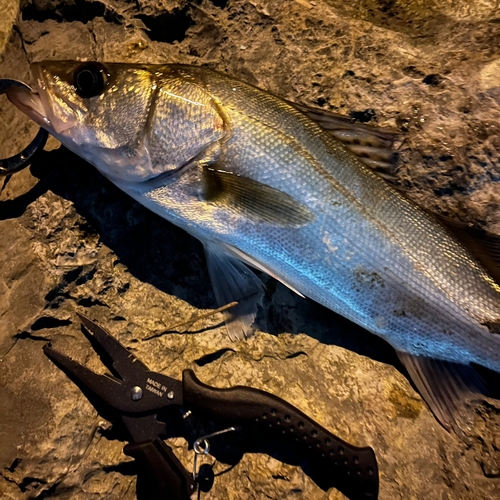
28 335
47 322
211 357
78 10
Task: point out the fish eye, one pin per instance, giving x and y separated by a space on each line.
89 80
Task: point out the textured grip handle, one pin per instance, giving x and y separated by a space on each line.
162 475
354 470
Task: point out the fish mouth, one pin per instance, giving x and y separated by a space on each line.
39 104
30 104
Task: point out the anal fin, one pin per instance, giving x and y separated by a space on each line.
232 281
261 267
447 388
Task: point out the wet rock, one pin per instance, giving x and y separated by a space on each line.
70 241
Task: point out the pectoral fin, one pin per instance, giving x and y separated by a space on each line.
258 201
446 387
233 281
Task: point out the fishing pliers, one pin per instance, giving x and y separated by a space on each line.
140 395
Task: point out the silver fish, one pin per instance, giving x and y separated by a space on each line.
257 181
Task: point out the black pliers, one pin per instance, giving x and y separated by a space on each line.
141 394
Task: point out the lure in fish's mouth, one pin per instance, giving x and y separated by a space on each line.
19 161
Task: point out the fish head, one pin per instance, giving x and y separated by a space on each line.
133 122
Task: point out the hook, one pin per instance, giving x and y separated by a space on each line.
21 160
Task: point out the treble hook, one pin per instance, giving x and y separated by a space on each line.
21 160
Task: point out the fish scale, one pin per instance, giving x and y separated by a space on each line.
426 254
455 269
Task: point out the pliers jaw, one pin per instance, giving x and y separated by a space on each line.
136 395
137 391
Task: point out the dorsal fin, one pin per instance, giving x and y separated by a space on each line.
375 147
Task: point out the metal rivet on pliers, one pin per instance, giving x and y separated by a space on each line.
136 393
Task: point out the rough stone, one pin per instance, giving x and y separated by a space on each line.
9 9
70 241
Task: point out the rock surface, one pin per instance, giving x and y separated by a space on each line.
9 9
70 241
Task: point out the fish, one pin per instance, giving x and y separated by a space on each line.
262 184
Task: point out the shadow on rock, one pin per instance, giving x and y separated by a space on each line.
153 250
161 254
